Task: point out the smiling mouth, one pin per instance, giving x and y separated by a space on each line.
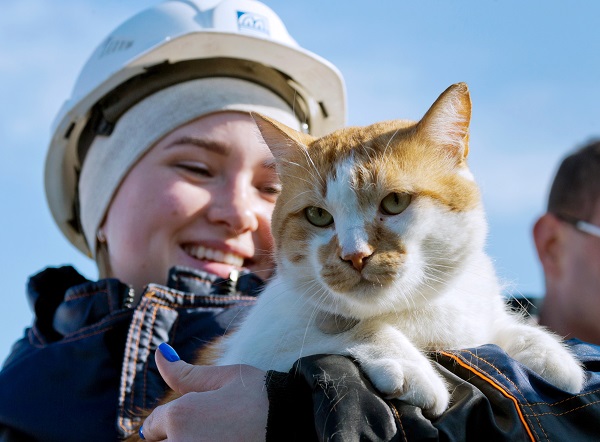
207 254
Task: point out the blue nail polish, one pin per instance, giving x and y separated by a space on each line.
168 352
141 433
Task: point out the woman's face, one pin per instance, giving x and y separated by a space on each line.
202 197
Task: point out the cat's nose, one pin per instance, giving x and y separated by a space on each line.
358 258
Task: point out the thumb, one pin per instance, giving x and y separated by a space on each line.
185 378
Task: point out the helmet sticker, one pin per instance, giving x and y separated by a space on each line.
111 45
252 21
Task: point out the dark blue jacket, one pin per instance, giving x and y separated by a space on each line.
494 398
86 367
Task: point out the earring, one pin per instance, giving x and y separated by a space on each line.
101 236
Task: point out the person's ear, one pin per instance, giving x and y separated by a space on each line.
102 258
547 235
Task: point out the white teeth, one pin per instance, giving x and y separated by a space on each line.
200 252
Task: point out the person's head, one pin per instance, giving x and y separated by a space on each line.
567 238
154 160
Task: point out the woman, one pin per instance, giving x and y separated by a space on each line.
154 168
156 171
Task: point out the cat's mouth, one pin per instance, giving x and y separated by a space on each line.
348 280
207 254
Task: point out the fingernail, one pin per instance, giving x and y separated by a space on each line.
168 352
141 433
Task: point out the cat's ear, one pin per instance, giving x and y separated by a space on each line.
446 123
284 142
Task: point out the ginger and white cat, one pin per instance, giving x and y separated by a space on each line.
379 243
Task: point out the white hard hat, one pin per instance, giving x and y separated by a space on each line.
172 42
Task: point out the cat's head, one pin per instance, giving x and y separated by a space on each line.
372 219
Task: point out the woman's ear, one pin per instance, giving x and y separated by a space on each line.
102 257
101 236
548 238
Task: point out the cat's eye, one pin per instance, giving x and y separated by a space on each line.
318 217
395 203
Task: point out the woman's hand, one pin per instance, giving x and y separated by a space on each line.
217 403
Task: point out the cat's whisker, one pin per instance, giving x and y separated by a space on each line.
389 142
310 160
473 269
293 200
310 183
305 300
310 171
322 297
402 292
311 318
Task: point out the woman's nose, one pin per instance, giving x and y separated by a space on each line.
235 208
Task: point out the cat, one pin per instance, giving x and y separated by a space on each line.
379 246
379 238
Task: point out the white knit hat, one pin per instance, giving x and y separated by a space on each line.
110 158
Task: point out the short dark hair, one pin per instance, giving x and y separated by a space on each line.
576 187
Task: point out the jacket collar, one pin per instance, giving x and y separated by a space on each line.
63 300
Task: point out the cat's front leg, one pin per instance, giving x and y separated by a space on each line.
541 351
399 370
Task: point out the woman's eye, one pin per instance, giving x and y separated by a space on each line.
195 168
318 217
272 189
395 203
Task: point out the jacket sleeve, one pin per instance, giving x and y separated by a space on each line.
61 382
493 398
326 397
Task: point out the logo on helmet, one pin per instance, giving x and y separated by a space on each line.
254 22
111 45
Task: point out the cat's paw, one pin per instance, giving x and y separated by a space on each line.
543 353
414 382
555 364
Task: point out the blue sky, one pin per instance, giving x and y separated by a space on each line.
533 69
